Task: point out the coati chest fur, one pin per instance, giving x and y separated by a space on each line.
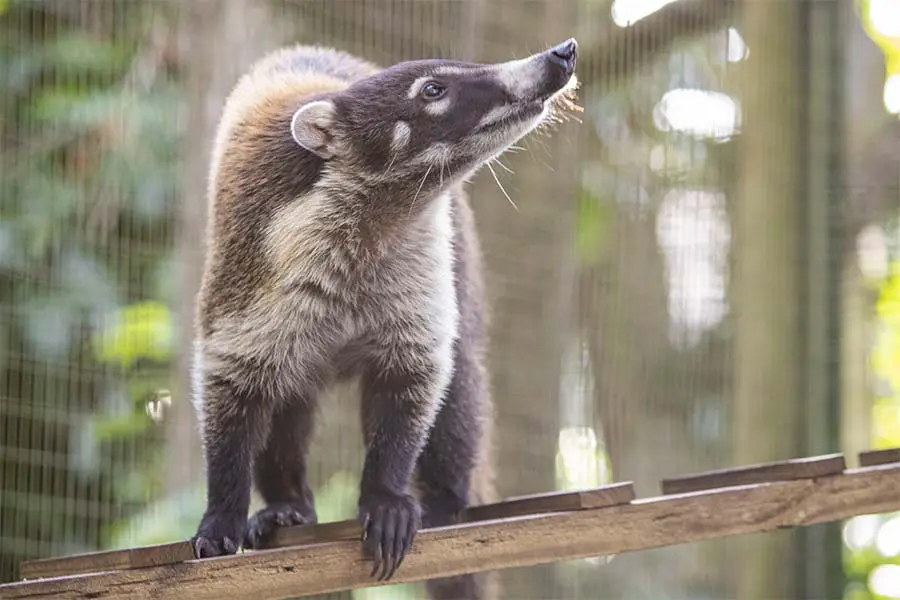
341 244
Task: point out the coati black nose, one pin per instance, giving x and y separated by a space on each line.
564 55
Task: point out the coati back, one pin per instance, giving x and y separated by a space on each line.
341 244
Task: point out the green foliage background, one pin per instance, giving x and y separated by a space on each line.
89 180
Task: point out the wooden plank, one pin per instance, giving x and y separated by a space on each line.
870 458
321 532
600 497
512 507
300 535
783 470
497 544
130 558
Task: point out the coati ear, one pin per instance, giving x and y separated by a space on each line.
311 127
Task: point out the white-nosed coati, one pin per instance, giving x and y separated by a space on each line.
341 245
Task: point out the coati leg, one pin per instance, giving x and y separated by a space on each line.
280 473
398 400
447 466
236 424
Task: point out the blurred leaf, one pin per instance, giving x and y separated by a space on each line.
888 306
857 591
593 222
142 330
76 52
886 423
78 107
886 353
890 45
48 325
86 282
124 425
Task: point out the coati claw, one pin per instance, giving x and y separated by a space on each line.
263 524
390 523
218 535
209 548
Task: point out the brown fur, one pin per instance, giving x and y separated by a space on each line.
341 244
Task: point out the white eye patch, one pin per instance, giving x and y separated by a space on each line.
417 86
495 114
439 107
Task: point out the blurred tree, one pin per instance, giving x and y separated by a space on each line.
871 146
659 396
766 262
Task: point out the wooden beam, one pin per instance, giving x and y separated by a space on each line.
782 470
870 458
175 552
610 495
498 544
111 560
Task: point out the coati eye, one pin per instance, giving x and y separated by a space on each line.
432 90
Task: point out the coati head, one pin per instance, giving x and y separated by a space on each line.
419 126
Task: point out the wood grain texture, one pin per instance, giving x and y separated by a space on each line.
299 535
783 470
610 495
148 556
498 544
130 558
870 458
512 507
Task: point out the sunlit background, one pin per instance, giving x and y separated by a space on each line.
703 272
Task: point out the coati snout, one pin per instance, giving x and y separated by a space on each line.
342 245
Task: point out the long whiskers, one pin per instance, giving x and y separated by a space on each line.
507 169
421 183
500 185
391 164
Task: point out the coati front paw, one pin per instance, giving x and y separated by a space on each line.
390 523
219 534
264 523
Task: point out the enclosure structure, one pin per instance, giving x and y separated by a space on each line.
699 274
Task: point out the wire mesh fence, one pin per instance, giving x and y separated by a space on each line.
698 273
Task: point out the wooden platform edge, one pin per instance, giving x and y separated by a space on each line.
175 552
498 544
886 456
110 560
598 497
782 470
